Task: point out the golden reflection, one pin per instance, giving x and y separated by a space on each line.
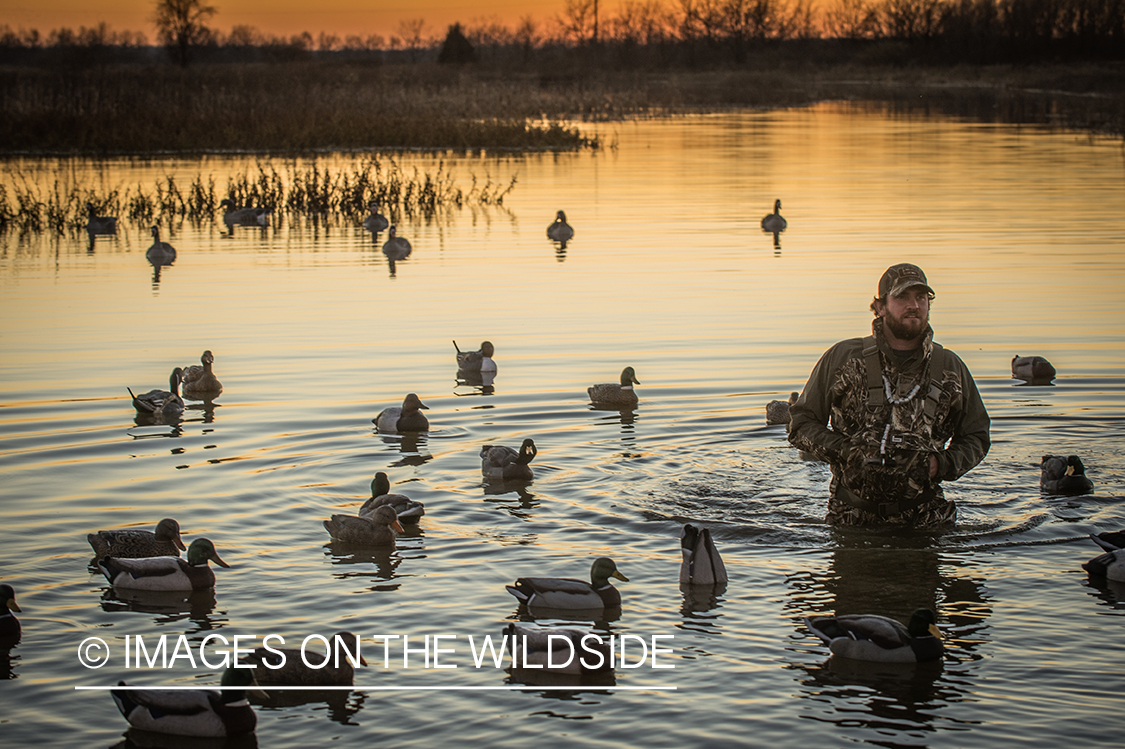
197 605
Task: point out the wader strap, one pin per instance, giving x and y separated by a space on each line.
933 397
875 396
882 509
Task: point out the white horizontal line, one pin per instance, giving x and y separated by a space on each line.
514 688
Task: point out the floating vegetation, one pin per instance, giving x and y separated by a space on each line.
306 190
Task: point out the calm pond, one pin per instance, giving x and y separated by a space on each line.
1020 229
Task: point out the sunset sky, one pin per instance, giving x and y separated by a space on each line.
281 17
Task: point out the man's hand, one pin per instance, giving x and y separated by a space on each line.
933 467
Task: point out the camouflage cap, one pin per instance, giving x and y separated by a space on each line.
899 278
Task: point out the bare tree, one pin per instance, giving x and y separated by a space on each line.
410 32
180 25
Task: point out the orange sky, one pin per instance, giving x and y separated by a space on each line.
281 17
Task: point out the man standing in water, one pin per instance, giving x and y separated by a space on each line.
905 414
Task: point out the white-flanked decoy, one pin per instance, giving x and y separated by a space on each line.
251 216
476 361
701 563
870 637
1110 565
396 247
408 418
564 593
1032 369
165 573
205 713
504 463
1109 540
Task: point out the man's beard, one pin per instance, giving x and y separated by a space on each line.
899 327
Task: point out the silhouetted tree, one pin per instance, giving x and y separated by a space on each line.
180 26
456 48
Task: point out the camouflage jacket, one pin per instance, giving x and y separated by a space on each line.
880 448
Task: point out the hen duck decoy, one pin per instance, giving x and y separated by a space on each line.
406 508
564 650
9 624
869 637
160 253
1059 475
252 216
1110 565
701 563
206 713
99 224
1109 540
568 593
774 222
396 247
286 667
476 361
408 418
161 402
375 222
165 573
559 230
777 412
616 394
380 528
505 463
200 380
135 543
1033 369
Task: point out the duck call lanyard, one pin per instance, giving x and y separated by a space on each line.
880 393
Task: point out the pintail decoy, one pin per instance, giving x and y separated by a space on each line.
476 361
161 402
135 543
252 216
1032 369
1110 565
870 637
1109 540
774 222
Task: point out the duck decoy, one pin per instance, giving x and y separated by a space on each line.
476 361
1109 540
99 224
869 637
777 412
380 528
375 222
408 418
253 216
615 394
161 402
165 573
135 543
406 508
774 222
160 253
505 463
9 624
200 380
286 666
396 247
568 593
1059 475
564 650
559 230
1032 369
1110 565
701 563
205 713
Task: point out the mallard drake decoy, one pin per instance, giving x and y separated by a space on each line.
253 216
380 528
476 361
774 222
777 412
406 508
1034 369
614 394
564 650
135 543
701 563
161 402
286 666
375 222
99 224
869 637
559 230
396 247
1109 540
1059 475
1110 565
165 573
409 418
568 593
200 380
501 462
9 624
160 253
207 713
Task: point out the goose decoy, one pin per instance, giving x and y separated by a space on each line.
234 216
701 563
774 222
99 224
614 394
396 247
206 713
286 666
1059 475
869 637
406 419
375 222
380 528
9 624
562 650
1110 565
134 543
200 380
1033 369
777 412
559 230
568 593
501 462
476 361
405 507
1109 540
160 253
165 573
161 402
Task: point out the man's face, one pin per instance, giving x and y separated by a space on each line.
907 315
